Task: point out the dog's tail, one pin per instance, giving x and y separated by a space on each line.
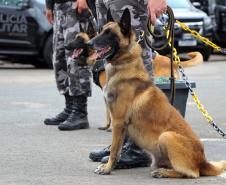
196 58
213 168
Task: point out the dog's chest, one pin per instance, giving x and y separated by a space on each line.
110 94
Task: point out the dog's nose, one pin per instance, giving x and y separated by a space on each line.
90 44
68 46
71 45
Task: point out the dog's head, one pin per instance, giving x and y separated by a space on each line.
80 50
114 38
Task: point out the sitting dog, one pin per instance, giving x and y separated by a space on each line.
141 110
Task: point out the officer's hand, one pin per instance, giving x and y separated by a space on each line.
156 8
82 5
49 15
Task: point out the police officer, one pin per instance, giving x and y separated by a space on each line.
132 155
72 81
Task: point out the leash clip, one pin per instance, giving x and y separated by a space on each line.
141 36
223 50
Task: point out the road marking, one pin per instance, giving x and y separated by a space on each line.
212 139
191 103
32 105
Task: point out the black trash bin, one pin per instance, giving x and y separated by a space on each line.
181 93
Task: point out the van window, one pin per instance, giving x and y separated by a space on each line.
10 2
179 3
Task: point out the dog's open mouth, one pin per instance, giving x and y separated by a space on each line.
102 52
76 53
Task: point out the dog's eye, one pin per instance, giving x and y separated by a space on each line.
80 39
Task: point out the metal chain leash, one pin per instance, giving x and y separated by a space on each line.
192 92
201 38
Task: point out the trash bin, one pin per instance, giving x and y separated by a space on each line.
181 93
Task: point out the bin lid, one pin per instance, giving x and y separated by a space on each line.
179 84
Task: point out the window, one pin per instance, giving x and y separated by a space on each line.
179 3
10 2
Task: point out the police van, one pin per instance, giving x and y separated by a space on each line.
196 20
216 9
25 31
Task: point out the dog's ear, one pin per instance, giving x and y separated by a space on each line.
90 30
81 28
109 16
125 22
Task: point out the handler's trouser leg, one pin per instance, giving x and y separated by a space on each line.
71 78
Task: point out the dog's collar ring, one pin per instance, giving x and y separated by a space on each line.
141 36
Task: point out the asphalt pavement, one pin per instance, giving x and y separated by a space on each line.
32 153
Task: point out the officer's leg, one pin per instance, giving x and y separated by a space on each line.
138 10
131 156
79 81
60 66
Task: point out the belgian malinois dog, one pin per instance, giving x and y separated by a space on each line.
141 110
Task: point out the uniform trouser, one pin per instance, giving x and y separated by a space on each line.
69 76
139 17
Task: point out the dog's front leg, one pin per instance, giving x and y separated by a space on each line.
118 136
108 119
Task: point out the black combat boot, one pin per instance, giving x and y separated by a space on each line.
97 155
61 117
78 117
131 156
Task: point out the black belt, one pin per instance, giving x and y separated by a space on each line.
62 1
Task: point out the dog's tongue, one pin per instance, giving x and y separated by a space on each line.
76 53
100 53
96 55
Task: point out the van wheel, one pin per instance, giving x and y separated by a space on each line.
40 64
48 51
206 52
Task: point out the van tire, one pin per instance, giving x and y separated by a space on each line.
206 52
48 51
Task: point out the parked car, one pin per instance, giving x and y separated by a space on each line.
216 9
195 19
25 31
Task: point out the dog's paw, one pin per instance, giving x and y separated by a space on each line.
102 128
159 173
102 170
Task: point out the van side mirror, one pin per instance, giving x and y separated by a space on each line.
23 4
